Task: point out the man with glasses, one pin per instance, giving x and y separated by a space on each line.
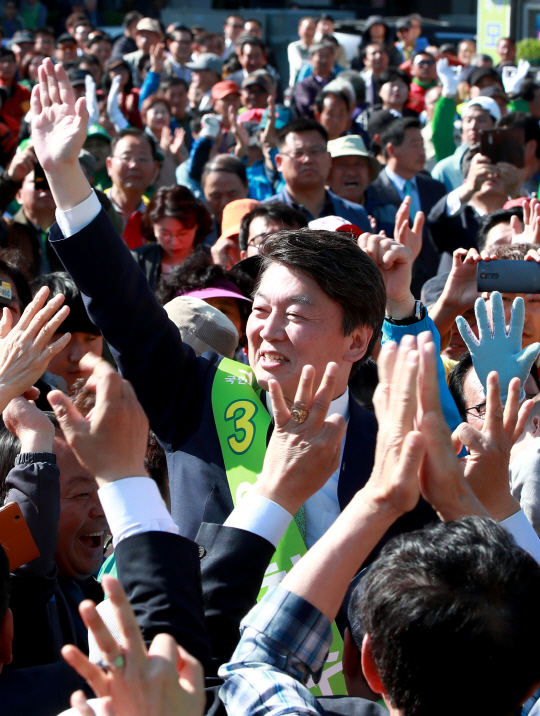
179 45
263 221
304 162
66 49
424 74
232 29
133 168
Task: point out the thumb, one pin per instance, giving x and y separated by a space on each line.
71 421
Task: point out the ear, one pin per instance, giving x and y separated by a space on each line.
6 639
535 426
357 343
317 115
352 658
389 149
530 148
370 669
108 164
243 254
278 159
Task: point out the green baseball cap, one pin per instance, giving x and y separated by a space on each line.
97 130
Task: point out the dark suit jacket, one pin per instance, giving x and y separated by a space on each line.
172 384
354 213
304 95
453 232
383 201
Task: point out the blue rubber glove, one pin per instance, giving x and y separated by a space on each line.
496 350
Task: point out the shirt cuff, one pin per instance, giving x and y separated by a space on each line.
259 515
134 505
523 532
453 202
77 218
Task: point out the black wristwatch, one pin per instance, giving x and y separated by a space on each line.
417 316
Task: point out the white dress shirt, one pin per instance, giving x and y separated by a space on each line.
453 204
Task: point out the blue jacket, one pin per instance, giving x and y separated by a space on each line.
353 213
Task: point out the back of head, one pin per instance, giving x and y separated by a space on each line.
522 120
77 320
500 216
451 611
345 273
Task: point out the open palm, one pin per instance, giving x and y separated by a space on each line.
59 124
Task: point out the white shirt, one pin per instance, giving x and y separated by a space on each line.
453 204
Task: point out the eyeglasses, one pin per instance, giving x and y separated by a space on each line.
256 241
425 63
479 411
128 159
312 153
167 235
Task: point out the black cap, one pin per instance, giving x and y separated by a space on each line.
481 72
65 38
77 77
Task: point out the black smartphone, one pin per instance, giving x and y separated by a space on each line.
508 276
504 145
40 180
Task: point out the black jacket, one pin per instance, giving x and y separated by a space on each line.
149 259
453 232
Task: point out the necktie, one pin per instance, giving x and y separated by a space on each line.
409 191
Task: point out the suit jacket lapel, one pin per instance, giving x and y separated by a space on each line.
358 454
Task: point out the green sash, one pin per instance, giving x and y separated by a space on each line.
242 424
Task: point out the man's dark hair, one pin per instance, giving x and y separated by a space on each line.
297 126
528 89
169 82
86 60
5 52
226 163
250 40
395 132
254 19
454 603
273 212
77 320
525 121
342 270
391 74
323 94
427 54
508 39
325 16
455 383
363 50
134 132
44 31
179 28
448 47
500 216
100 38
131 17
512 252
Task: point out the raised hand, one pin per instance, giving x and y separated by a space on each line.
91 99
513 77
30 425
111 441
157 58
496 350
395 261
25 350
113 105
442 481
460 291
177 147
450 77
240 134
530 234
301 457
403 233
394 480
59 123
487 466
163 681
21 164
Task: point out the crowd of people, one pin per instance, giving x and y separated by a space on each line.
265 447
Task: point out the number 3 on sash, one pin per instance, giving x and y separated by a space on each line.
242 412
